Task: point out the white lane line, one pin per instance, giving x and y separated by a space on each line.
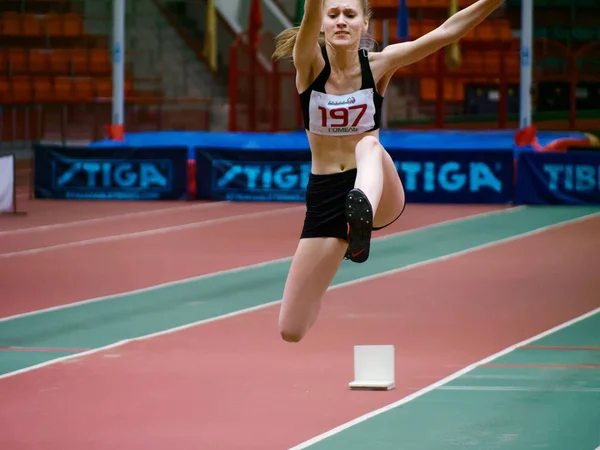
247 267
518 389
129 215
152 232
440 383
336 286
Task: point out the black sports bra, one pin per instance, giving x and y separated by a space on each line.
338 115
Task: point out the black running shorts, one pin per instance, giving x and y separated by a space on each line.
325 205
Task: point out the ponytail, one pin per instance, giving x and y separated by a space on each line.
286 40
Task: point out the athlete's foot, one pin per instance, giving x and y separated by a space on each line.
359 216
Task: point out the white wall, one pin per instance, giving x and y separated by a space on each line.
237 13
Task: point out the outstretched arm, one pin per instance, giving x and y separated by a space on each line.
307 45
398 55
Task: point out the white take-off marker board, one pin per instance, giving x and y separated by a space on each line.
374 368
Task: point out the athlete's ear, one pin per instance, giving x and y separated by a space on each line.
366 26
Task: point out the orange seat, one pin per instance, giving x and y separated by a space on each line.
5 90
43 89
53 25
21 88
453 90
79 61
18 60
490 30
10 24
427 65
4 61
428 89
72 25
103 87
486 31
416 28
60 61
83 88
489 63
32 25
99 61
63 88
39 61
67 74
512 65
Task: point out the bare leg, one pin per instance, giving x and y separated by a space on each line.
314 265
376 200
392 199
369 173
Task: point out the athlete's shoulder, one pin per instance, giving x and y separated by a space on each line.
372 54
379 67
375 57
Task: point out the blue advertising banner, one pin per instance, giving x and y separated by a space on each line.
571 178
429 176
115 173
458 176
252 175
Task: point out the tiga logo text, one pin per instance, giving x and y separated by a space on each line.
450 176
263 175
86 174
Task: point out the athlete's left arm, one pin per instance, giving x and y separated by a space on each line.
454 28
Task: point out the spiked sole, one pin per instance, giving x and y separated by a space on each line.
359 216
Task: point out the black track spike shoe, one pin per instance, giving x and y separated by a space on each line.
359 216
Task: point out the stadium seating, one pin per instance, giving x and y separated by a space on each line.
46 55
493 47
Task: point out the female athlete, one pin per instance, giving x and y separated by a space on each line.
353 187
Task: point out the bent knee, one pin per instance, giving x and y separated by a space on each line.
368 144
291 332
291 336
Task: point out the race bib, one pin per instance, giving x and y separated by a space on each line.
342 114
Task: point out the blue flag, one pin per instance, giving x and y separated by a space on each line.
402 32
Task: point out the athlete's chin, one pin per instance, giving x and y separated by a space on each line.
343 43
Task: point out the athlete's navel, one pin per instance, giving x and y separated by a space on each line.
342 167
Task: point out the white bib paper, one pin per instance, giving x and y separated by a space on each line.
339 115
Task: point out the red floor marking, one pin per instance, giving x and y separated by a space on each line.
544 366
43 349
130 225
57 278
559 347
192 388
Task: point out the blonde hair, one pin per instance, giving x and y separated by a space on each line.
285 41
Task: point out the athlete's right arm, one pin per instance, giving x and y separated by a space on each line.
307 40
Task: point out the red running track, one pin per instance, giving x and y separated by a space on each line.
52 212
172 246
233 384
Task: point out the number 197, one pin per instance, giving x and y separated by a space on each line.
342 115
